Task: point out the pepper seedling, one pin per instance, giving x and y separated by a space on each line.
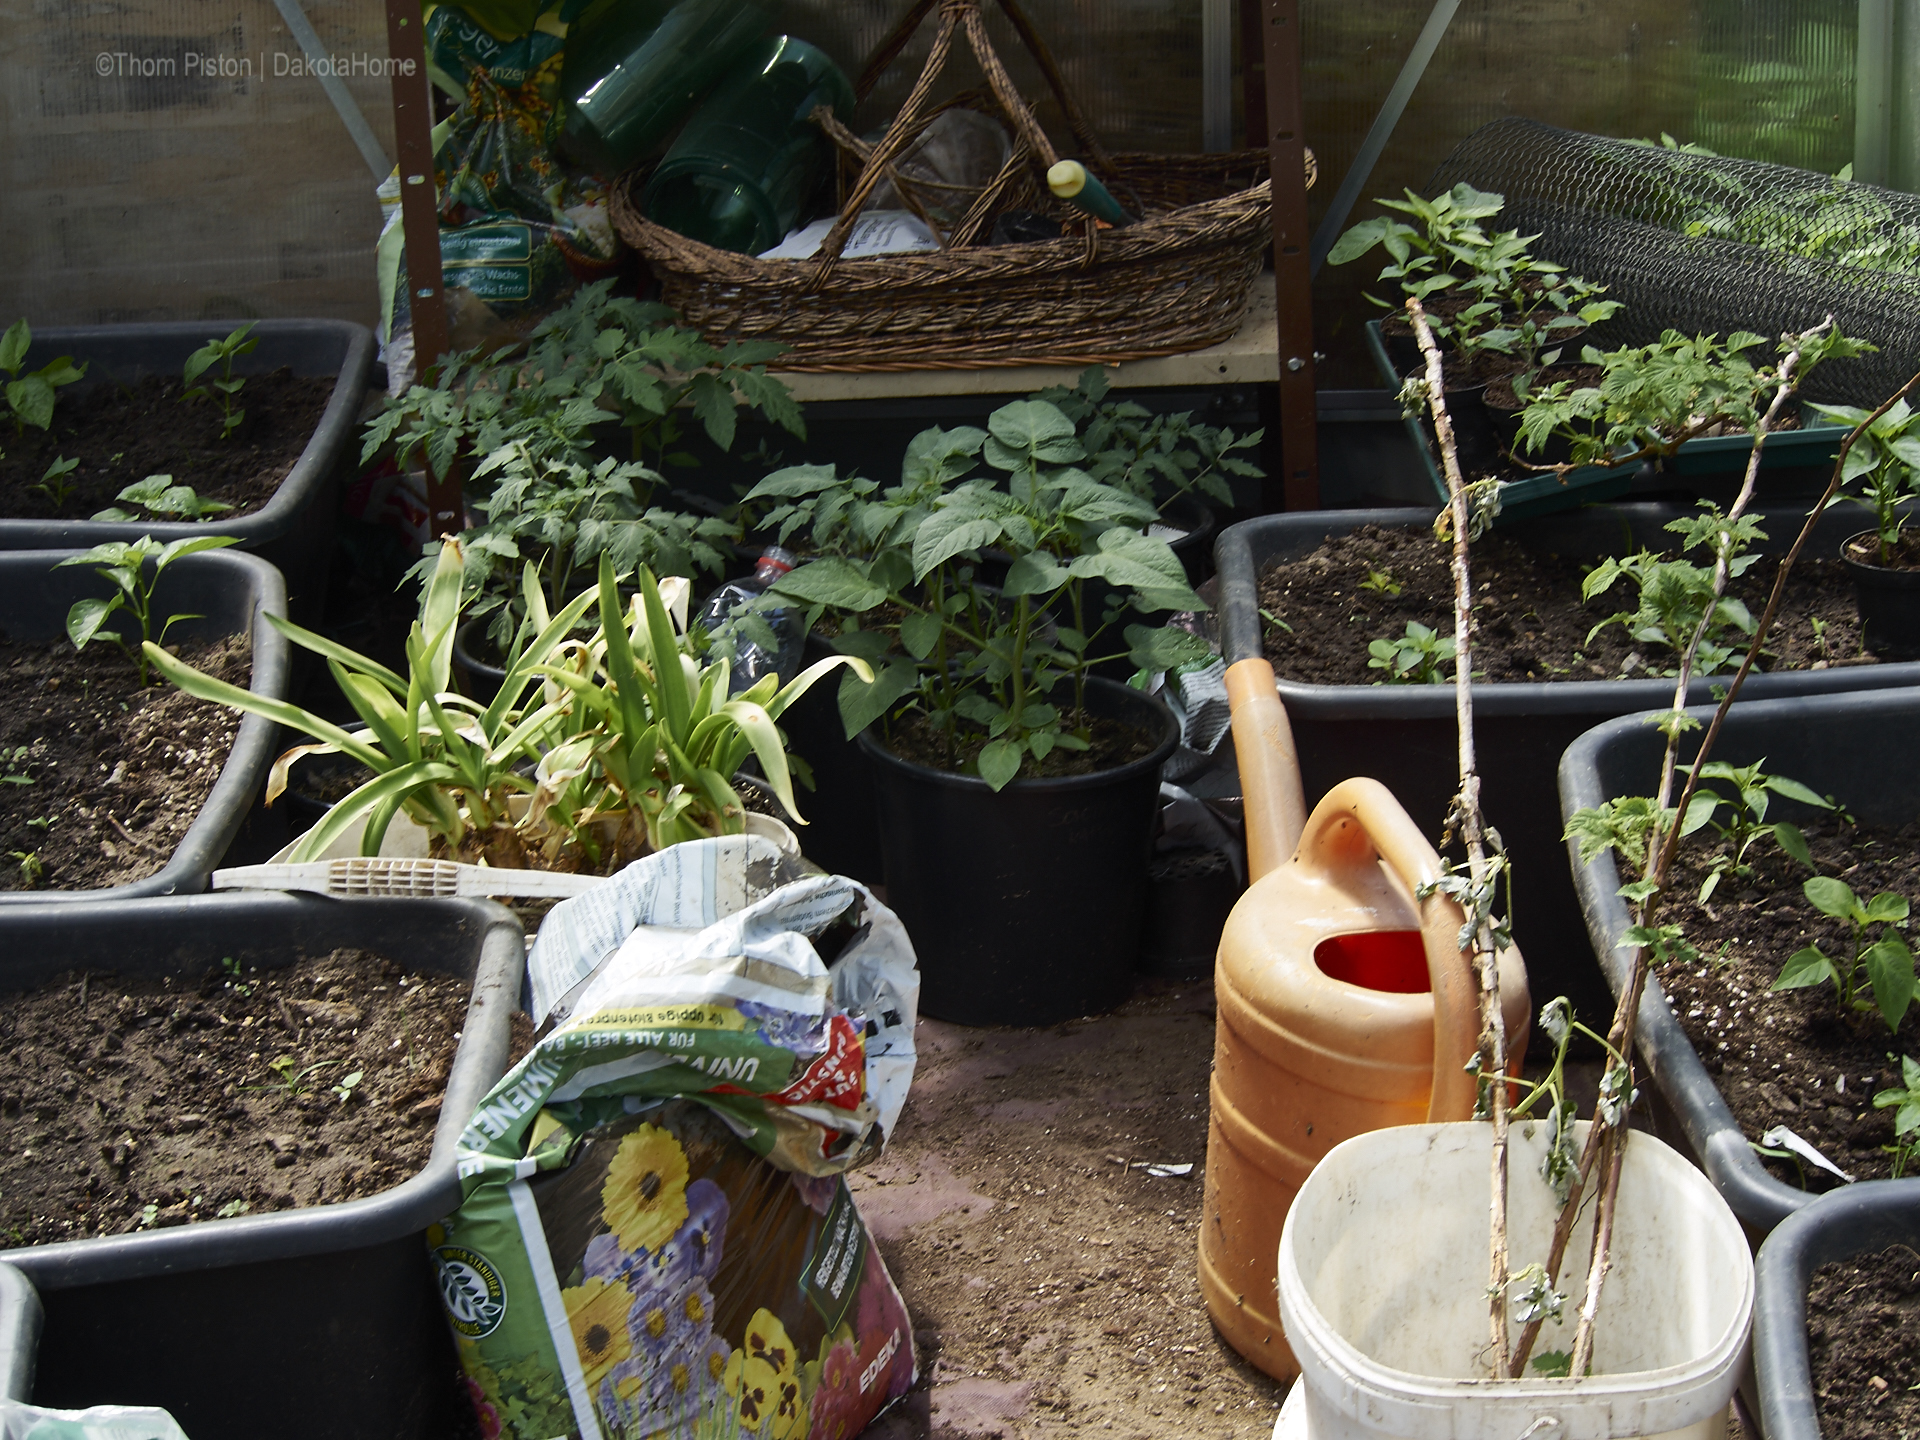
30 397
161 499
227 385
125 565
1885 967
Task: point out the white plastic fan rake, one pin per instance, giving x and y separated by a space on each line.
363 876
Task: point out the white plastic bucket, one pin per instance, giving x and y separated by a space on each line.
1382 1277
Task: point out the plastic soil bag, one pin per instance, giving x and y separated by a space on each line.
656 1238
99 1422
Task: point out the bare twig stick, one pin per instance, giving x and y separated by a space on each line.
1493 1032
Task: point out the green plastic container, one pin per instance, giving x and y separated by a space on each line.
1812 444
634 69
750 159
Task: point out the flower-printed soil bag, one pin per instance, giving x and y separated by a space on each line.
656 1238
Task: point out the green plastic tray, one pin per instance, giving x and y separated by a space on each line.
1543 494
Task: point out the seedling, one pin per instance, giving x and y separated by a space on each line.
344 1089
149 1215
232 1208
32 872
1889 461
1746 816
1416 658
1819 636
1380 582
1674 596
1885 967
226 385
1905 1103
54 484
232 967
30 397
16 765
293 1077
160 499
125 565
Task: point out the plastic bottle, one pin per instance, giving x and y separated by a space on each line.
634 69
749 160
750 659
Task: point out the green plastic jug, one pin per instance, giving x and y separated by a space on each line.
750 159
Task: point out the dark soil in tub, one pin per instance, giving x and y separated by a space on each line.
1112 743
1862 1315
114 774
1530 623
121 435
1793 1058
131 1102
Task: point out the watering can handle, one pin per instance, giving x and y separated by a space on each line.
1275 807
1358 820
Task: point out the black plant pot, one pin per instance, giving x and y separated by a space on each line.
293 530
1889 602
20 1320
1404 735
1191 514
1858 1220
1854 746
229 592
1190 894
325 1319
1025 907
842 833
480 680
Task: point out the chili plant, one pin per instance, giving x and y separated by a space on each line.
124 565
1888 460
30 397
1904 1101
226 385
1417 658
1876 975
1746 818
160 499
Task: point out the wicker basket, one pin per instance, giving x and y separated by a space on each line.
1175 280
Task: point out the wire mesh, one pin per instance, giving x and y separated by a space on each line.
1710 244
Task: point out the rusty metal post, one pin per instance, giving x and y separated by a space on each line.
419 215
1297 487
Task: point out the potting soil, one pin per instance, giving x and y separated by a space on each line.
124 434
128 1103
1530 623
100 779
657 1239
1861 1319
1112 743
1793 1058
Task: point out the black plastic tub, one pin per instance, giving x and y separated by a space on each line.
20 1320
293 530
1856 747
230 592
1026 907
315 1324
1404 735
1858 1220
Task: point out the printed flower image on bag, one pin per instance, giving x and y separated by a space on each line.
657 1239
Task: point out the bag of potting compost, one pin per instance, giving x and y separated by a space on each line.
656 1237
20 1421
519 229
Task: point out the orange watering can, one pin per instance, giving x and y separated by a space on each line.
1345 1005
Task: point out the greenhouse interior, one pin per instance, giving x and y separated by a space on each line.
619 613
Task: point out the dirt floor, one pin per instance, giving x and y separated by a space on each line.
1050 1278
1861 1315
100 779
1530 623
121 435
128 1104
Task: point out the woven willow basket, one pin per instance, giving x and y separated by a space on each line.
1175 280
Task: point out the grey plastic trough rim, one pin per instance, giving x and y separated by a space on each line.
1716 1137
1855 1220
20 1321
331 438
407 1209
254 743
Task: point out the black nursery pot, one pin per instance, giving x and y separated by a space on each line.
842 833
1855 747
1025 907
322 1323
1857 1220
230 594
1405 735
1889 603
479 679
294 529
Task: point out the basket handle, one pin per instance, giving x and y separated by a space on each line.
1357 822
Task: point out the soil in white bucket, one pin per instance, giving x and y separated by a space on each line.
1383 1271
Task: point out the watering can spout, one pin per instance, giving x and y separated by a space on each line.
1276 807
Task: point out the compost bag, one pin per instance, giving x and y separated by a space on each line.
656 1237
